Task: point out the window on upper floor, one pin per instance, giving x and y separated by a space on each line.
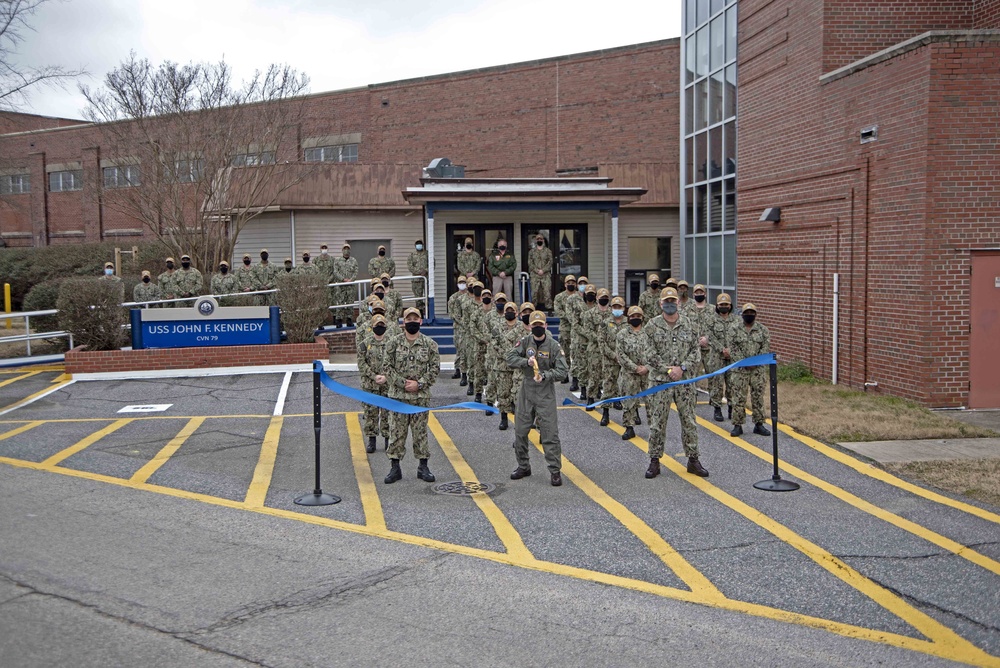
343 153
252 159
121 176
188 170
15 184
65 181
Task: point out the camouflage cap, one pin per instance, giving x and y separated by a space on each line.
376 281
322 246
381 248
288 260
169 259
223 263
671 281
246 256
583 279
618 301
526 306
684 283
412 312
510 306
145 272
378 305
385 274
109 264
477 284
486 291
569 277
603 292
306 254
537 318
723 298
749 307
347 246
468 240
185 257
668 293
263 250
378 318
590 288
500 295
635 310
653 277
697 287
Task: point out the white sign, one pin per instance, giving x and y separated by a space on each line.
996 282
148 408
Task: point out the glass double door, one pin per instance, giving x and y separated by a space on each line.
568 244
484 241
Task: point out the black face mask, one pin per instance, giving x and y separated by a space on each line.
722 310
500 306
603 301
385 283
170 265
590 297
246 261
487 300
748 318
382 253
412 327
635 322
379 330
468 246
185 264
224 269
655 286
538 331
699 298
380 294
477 291
570 287
539 243
263 256
510 315
288 268
502 249
524 318
305 260
145 279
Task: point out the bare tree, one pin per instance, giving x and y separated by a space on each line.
16 80
197 157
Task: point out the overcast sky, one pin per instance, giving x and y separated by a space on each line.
338 43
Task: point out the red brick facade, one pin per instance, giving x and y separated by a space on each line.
526 120
895 217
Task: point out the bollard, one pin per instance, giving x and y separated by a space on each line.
775 484
317 498
6 302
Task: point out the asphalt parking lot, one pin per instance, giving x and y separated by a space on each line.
856 567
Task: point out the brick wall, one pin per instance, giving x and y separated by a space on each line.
895 218
12 121
986 15
79 360
853 30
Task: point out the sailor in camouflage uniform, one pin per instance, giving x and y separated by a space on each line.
630 349
749 338
700 314
684 302
265 278
540 274
649 300
610 367
508 379
413 364
393 300
574 303
372 350
146 290
416 264
490 326
382 263
345 270
483 333
224 283
168 284
561 306
472 314
719 335
455 313
469 262
188 280
580 308
307 267
672 349
592 322
245 281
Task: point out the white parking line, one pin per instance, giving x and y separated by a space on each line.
279 405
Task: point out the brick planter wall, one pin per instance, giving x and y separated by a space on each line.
341 342
79 360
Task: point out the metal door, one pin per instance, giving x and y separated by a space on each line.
484 239
984 336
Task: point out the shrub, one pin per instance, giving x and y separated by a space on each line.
303 299
91 309
795 371
42 297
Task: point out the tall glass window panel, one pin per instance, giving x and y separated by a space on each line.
730 92
729 130
690 16
689 257
718 46
700 102
689 208
717 5
689 163
701 209
689 108
729 249
715 152
731 33
703 7
690 58
715 259
700 270
701 68
729 215
715 207
716 85
700 155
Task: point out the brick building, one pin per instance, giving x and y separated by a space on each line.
875 129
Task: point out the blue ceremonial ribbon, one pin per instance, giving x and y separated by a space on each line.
756 360
385 402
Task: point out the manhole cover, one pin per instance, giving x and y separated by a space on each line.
462 488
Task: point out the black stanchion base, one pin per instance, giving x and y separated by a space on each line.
317 499
774 485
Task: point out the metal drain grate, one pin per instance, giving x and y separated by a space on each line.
462 488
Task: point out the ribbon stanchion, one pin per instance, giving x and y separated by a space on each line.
775 483
317 498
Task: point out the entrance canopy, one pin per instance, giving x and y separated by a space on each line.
558 208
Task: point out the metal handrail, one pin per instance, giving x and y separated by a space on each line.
28 337
523 279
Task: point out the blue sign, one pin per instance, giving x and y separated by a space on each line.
205 325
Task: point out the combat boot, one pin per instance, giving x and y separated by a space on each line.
479 399
583 393
370 448
617 405
606 416
350 322
654 468
737 430
629 434
730 417
469 391
520 472
638 420
761 430
575 387
718 414
424 473
465 379
457 374
503 422
394 473
695 467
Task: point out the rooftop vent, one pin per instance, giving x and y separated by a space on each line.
441 168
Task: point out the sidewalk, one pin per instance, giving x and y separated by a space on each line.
937 449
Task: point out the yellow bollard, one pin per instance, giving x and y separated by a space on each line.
6 301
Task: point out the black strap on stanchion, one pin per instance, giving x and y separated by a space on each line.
775 484
317 498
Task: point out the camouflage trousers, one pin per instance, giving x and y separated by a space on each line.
508 382
541 291
595 368
685 397
492 369
721 385
579 362
400 424
756 378
376 419
630 383
342 295
459 338
418 291
475 354
565 339
609 377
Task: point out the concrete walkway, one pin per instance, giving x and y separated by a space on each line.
938 448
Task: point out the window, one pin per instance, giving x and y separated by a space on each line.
64 181
650 253
188 170
15 184
121 176
345 153
252 159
